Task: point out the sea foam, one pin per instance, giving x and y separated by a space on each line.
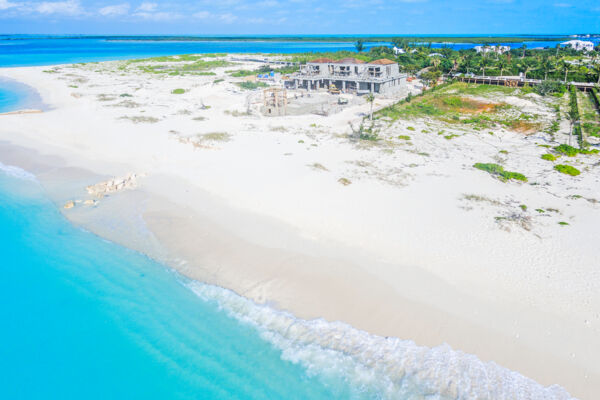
379 367
17 172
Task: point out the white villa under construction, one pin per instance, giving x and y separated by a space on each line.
349 75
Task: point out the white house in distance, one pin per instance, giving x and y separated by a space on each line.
492 49
398 50
579 45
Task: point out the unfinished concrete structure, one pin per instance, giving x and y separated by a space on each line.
274 101
349 75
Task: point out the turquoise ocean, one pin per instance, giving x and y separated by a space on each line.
84 318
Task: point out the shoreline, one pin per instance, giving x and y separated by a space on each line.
370 351
274 262
24 111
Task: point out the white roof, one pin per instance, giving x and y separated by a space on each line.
580 42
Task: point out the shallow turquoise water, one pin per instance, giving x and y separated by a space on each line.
17 96
83 318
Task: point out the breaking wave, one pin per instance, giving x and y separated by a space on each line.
17 172
379 367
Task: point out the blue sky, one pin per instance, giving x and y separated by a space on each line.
300 16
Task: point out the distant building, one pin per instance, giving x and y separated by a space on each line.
349 75
579 45
437 55
492 49
398 51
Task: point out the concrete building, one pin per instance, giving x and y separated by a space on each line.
579 45
349 76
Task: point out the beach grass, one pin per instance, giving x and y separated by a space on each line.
455 104
251 85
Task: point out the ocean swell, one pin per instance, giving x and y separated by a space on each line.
379 367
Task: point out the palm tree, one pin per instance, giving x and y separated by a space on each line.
502 64
483 64
359 45
527 66
572 117
524 47
547 65
466 61
596 69
435 61
565 67
370 97
485 50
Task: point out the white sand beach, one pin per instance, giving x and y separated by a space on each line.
398 237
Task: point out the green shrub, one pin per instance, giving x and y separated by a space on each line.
513 175
567 169
499 172
550 87
548 157
251 85
572 151
410 128
567 150
241 73
178 91
491 168
404 137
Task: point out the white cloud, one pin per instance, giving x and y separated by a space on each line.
226 18
114 10
159 16
5 4
149 11
202 15
69 7
267 3
147 7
